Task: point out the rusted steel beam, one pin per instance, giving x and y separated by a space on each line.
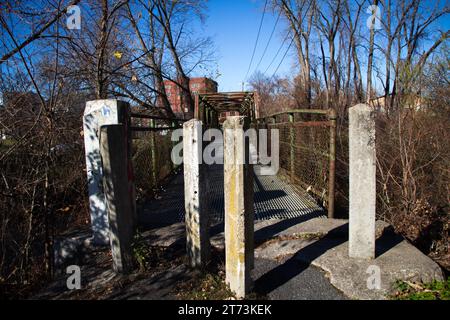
241 102
148 116
224 101
227 94
229 108
226 104
312 111
223 98
150 129
305 123
306 111
209 105
196 107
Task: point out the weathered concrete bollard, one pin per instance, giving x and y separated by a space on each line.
119 194
362 182
239 210
96 114
195 194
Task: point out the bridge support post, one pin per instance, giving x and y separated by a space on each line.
239 211
119 194
96 114
362 182
195 193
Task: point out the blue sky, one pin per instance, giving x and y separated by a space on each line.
233 25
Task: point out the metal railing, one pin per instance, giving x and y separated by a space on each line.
151 150
307 150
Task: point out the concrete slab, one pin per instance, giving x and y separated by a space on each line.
264 230
395 259
323 243
289 262
351 276
319 226
309 284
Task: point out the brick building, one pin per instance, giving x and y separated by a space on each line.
196 85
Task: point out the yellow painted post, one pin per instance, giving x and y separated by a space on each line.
239 209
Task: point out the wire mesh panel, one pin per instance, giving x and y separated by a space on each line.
312 159
306 150
151 159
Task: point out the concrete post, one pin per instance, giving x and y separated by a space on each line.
195 194
239 210
96 114
118 187
362 182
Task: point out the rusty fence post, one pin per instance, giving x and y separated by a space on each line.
269 135
174 124
196 107
153 153
332 166
208 117
292 146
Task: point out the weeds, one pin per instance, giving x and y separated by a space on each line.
436 290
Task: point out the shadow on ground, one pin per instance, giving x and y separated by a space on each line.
300 261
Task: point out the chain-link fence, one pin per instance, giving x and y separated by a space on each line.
151 155
307 144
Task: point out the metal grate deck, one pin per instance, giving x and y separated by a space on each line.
274 199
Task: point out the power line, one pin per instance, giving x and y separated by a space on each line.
268 42
257 39
278 52
282 59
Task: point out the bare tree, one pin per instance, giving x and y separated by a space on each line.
371 51
300 16
414 20
328 20
353 59
172 17
9 7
